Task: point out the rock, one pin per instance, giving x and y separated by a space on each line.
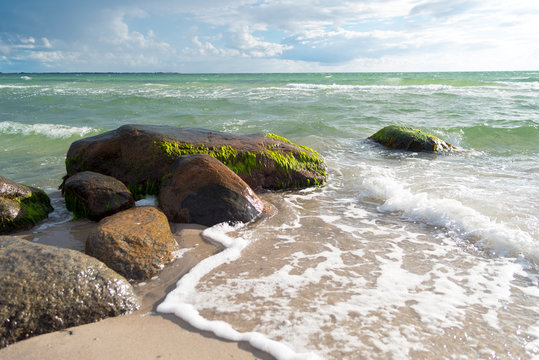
94 196
136 243
45 289
140 156
21 206
204 191
407 138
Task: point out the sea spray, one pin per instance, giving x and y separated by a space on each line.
177 301
457 218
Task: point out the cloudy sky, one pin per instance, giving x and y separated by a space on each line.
268 35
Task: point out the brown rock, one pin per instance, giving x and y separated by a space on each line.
94 196
140 156
204 191
45 289
136 243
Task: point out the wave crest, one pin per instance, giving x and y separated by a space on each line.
54 131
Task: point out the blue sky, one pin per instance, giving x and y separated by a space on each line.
268 35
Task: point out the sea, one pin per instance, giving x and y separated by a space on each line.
400 255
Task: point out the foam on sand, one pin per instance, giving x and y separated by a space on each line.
178 301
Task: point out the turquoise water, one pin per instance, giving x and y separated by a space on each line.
399 255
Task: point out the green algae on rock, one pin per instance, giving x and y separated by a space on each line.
410 139
141 155
21 206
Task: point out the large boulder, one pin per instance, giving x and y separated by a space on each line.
202 190
136 243
140 156
410 139
45 289
94 196
21 206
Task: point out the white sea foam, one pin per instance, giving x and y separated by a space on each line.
428 87
149 200
459 219
178 301
14 86
49 130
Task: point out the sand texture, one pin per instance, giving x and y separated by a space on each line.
144 334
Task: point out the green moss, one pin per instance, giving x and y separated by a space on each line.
240 163
305 159
245 163
35 207
73 204
280 138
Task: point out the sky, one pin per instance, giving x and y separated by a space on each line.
237 36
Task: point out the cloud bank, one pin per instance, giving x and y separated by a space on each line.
269 35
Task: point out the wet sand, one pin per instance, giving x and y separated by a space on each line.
144 334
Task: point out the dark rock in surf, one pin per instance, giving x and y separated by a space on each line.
45 289
21 206
202 190
140 156
94 196
410 139
136 243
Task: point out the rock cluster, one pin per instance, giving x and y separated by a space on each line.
200 176
141 155
44 289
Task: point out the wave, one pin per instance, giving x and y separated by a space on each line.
499 139
458 219
54 131
428 87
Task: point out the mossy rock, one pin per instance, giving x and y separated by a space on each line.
21 206
410 139
141 155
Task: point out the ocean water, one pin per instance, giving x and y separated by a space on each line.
400 255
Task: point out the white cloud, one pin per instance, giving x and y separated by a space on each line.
240 37
227 35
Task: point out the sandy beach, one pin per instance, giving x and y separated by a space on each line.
144 334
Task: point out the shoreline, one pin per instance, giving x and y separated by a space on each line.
144 334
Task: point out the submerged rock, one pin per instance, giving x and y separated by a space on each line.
21 206
136 243
45 289
140 156
94 196
202 190
407 138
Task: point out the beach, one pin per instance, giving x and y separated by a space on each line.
400 254
143 334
